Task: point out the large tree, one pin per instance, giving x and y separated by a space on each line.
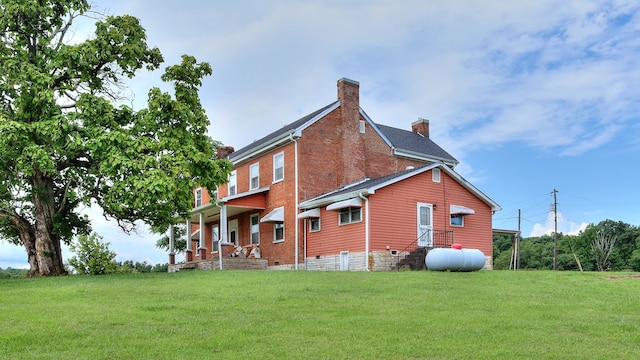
65 141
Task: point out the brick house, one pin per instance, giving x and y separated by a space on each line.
336 191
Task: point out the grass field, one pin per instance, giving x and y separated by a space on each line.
331 315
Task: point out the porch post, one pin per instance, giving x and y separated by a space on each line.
223 232
189 251
202 249
172 253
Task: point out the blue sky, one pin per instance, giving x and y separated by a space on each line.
529 95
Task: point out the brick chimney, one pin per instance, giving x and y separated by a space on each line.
352 153
224 151
421 127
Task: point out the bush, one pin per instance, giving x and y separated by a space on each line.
92 256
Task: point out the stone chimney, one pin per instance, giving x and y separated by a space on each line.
421 127
224 151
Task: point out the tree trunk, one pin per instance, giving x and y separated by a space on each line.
27 237
48 252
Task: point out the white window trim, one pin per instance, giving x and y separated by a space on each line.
436 174
274 232
275 180
340 223
254 216
456 225
196 192
213 238
257 167
233 183
319 225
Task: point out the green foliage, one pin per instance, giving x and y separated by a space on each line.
67 142
537 252
10 273
93 257
179 239
141 267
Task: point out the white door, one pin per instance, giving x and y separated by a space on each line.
344 261
233 232
425 224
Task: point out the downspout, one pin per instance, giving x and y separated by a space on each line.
366 229
296 224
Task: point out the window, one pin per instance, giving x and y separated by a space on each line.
278 231
314 224
457 220
215 238
435 175
254 176
350 215
214 196
232 183
255 229
278 167
362 128
198 195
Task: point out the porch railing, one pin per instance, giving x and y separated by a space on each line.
413 255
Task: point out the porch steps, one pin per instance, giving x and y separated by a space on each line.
414 260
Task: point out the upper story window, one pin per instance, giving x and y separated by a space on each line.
350 215
233 183
198 196
362 128
278 167
435 175
254 176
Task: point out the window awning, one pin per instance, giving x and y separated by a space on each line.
313 213
276 215
195 235
355 202
460 210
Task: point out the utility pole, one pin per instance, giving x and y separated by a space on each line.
517 262
555 231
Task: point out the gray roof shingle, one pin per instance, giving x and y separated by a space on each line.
414 142
400 139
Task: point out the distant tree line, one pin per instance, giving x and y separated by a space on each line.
609 245
11 273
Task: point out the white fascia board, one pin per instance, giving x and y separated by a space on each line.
272 144
246 193
418 156
375 127
298 131
462 181
310 204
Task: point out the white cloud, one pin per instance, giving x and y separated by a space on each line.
566 227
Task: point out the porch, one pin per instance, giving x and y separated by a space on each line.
228 263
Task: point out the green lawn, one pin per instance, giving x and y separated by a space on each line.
333 315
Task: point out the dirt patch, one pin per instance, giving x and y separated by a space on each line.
630 276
